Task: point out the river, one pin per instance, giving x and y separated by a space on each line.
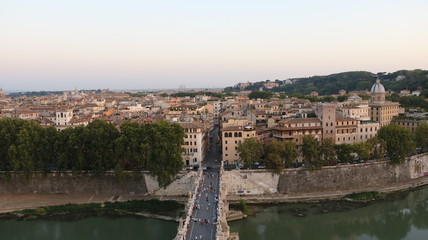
89 229
402 216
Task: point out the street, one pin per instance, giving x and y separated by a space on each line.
203 224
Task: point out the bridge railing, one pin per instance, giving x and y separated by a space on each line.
183 225
222 231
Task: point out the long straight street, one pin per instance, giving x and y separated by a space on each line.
204 217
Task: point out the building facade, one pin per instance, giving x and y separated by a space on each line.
380 110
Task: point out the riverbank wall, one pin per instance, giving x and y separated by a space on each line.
67 183
326 183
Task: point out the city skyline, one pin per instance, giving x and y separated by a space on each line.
51 45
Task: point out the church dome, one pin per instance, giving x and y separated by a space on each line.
378 87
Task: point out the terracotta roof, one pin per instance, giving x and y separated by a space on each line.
341 119
193 125
301 120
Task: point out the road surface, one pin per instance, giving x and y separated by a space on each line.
203 225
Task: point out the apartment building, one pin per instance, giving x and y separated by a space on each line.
232 135
195 142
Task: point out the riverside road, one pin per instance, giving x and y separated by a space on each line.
204 218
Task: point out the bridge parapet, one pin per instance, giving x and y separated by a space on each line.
183 226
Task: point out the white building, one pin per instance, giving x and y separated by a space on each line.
63 116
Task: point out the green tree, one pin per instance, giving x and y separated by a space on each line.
99 140
164 158
250 151
377 147
260 94
328 152
280 154
343 152
342 98
289 154
311 152
129 155
362 149
398 142
421 136
273 152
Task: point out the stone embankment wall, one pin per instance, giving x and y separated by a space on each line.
328 179
66 183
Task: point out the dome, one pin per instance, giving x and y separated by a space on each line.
378 87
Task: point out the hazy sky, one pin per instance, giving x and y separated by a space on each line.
67 44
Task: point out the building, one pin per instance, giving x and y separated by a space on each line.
293 129
360 112
380 110
195 143
63 116
326 112
270 85
409 122
231 137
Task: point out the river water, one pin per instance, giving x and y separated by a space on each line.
403 216
89 229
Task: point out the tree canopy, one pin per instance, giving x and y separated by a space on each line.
260 94
398 142
99 147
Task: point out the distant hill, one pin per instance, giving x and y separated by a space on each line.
349 81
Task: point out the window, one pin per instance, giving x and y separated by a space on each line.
240 134
236 134
225 142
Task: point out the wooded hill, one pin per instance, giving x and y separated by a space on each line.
349 81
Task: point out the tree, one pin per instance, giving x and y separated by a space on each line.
289 153
310 149
362 149
398 142
260 94
129 147
280 154
164 158
421 136
327 151
273 156
342 98
250 151
99 140
377 147
343 152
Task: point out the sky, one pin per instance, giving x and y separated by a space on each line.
139 44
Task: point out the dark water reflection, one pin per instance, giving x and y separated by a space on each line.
405 216
90 228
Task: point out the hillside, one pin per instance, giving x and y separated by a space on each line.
349 81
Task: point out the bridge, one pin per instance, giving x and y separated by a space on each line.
206 207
